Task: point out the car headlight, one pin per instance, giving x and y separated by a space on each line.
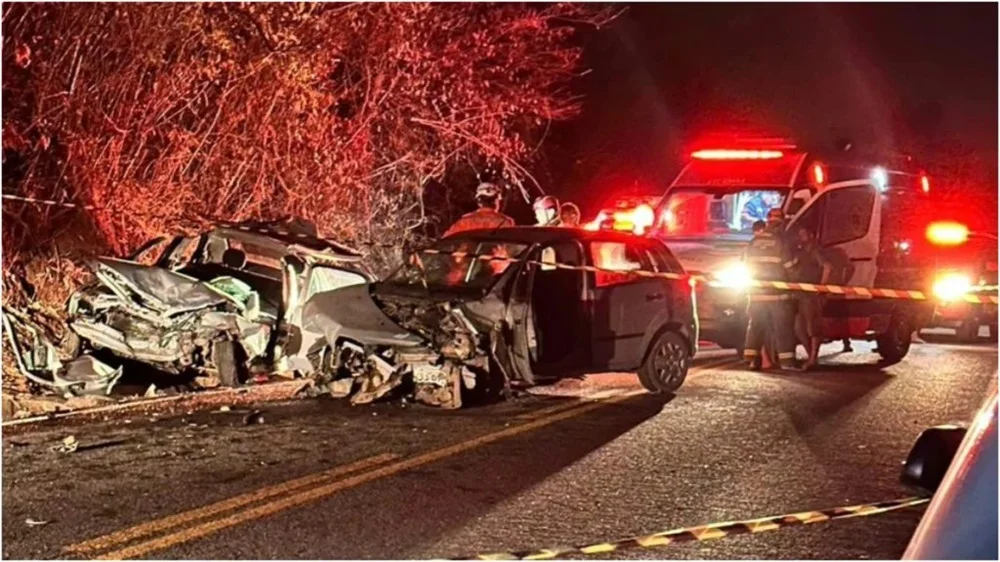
951 286
733 276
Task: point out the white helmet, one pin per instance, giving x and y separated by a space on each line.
487 189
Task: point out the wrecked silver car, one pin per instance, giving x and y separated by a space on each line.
224 303
447 323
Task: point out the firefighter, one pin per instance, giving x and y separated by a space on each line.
770 314
546 211
569 215
488 214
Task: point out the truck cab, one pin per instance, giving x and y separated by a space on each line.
707 214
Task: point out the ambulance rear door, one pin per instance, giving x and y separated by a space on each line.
847 218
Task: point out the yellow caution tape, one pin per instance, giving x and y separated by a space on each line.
709 532
844 290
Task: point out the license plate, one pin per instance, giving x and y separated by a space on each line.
429 374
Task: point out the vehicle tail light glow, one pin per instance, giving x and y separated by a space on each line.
951 286
947 233
736 154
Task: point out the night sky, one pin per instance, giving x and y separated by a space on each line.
909 77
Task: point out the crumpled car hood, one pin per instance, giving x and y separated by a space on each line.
350 312
165 291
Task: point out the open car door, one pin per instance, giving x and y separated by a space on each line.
846 217
511 340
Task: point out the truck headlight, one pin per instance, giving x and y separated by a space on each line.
951 286
733 276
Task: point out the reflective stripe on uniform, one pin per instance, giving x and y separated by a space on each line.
764 259
749 353
787 355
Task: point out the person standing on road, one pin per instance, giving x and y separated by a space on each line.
770 318
487 216
546 211
810 267
768 358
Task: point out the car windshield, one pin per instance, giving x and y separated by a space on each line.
447 272
713 211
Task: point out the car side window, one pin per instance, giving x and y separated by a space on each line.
799 200
618 262
848 214
812 217
663 261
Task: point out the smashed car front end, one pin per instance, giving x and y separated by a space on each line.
380 341
164 318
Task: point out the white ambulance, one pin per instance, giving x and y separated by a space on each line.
862 209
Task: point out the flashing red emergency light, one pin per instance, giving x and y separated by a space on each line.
947 233
736 154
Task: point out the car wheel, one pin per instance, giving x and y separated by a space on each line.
666 364
894 343
224 356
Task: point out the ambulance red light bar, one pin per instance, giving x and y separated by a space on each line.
947 233
736 154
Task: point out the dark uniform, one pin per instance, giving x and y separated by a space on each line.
480 219
770 311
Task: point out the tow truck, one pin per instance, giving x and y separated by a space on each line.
855 203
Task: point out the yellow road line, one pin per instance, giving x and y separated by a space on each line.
319 492
576 402
158 525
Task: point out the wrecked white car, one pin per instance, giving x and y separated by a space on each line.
224 303
444 325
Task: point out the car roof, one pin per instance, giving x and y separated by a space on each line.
546 235
288 240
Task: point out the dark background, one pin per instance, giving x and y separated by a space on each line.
918 78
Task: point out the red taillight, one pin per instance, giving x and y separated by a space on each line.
947 233
925 184
735 154
819 175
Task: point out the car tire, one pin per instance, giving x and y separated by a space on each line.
666 363
224 356
894 343
967 331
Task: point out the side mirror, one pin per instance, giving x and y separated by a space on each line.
931 455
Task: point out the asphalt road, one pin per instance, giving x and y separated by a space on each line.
592 460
